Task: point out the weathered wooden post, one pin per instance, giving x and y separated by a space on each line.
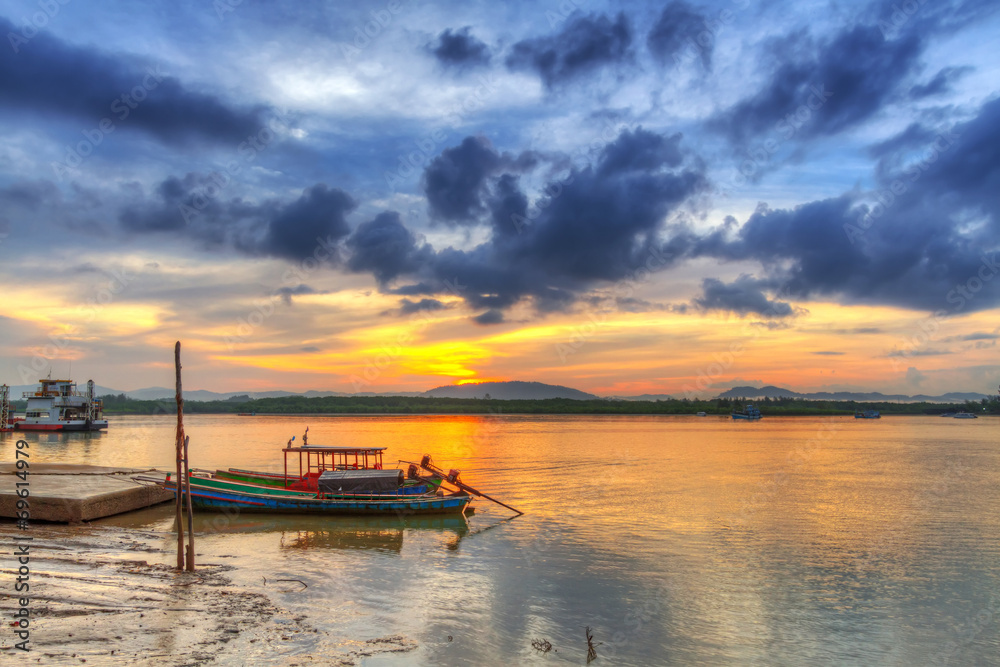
190 511
180 457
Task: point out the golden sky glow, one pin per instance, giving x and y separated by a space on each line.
354 339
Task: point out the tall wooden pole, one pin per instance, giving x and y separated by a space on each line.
190 511
180 455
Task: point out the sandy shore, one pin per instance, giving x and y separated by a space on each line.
109 595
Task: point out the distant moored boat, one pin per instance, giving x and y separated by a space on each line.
749 412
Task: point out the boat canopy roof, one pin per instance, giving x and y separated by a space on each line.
334 449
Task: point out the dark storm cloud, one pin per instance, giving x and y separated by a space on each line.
677 28
460 49
507 204
931 227
318 217
455 181
599 223
928 241
311 226
48 76
743 296
841 84
585 44
384 247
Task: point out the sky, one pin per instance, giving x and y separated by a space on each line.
625 198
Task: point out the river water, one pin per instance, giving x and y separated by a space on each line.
677 540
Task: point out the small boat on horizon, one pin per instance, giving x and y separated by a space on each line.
867 414
749 412
964 415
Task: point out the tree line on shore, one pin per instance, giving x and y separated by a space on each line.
121 404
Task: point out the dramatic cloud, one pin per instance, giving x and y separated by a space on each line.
585 44
316 220
48 76
744 296
681 29
310 226
927 239
460 49
453 181
385 247
826 90
599 223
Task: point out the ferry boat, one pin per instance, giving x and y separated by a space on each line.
965 415
56 405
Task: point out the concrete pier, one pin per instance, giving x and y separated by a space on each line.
67 493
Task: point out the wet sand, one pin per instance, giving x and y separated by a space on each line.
110 595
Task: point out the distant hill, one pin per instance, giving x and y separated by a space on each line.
762 392
771 391
509 391
158 393
641 397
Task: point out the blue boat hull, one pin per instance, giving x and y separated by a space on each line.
213 499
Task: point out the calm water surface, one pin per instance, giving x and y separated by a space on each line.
679 540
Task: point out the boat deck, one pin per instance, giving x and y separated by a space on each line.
66 493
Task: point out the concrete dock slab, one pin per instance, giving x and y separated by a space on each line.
67 493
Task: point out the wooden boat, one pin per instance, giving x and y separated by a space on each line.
867 414
328 480
331 481
749 412
221 495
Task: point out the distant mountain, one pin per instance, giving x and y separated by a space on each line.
641 397
763 392
162 393
509 391
771 391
